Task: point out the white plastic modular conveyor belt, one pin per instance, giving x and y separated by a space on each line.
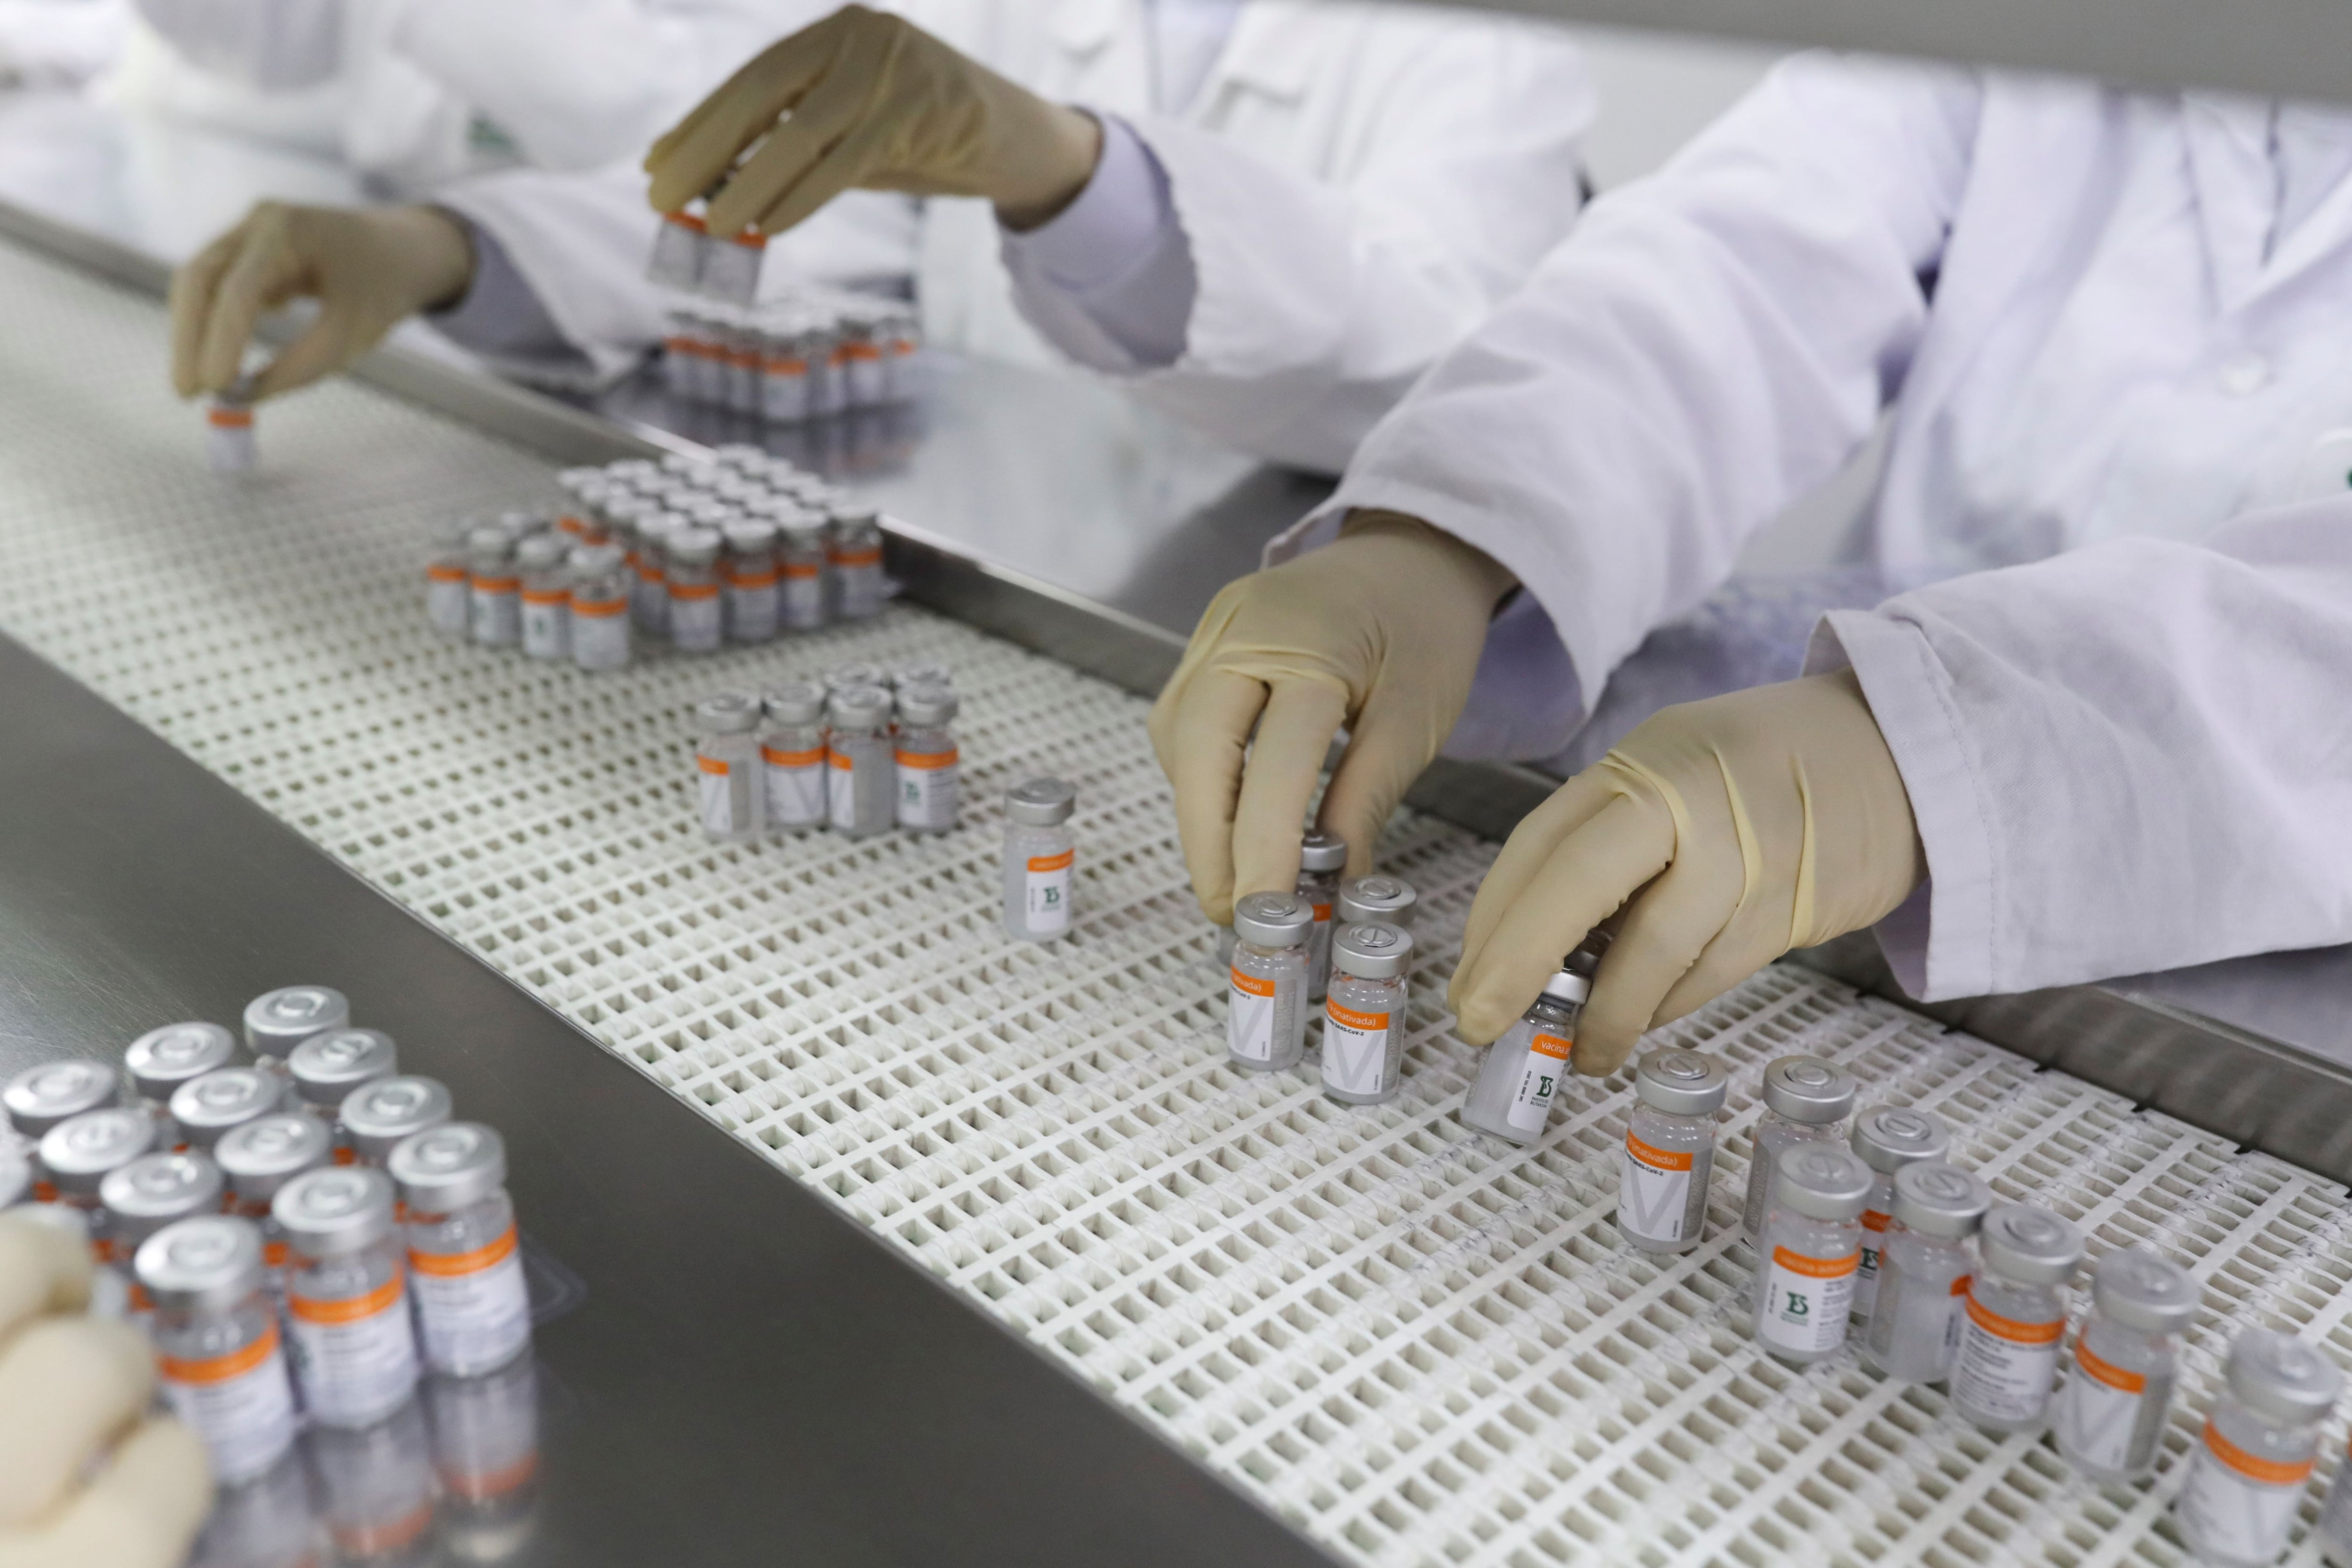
1415 1344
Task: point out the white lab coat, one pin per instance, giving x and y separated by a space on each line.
2072 298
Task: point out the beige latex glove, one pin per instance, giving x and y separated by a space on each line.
369 269
1739 827
868 100
71 1389
1379 632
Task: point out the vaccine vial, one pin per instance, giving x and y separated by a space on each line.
727 766
649 596
853 551
751 592
473 1313
791 757
2013 1317
731 267
546 609
77 1157
486 1450
326 1069
1039 859
1810 1251
260 1157
929 789
39 1098
346 1294
148 1194
1924 1265
376 1486
2247 1473
1806 1100
204 1108
216 1344
1668 1164
691 569
1887 1139
2110 1414
1321 857
1526 1065
277 1022
1363 1014
842 676
801 573
599 615
906 677
1265 1016
862 795
162 1059
1387 899
229 445
448 599
494 591
680 245
377 1116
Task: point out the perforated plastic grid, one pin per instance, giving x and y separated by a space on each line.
1416 1344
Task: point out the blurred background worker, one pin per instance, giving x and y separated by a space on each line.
2100 323
1271 215
87 1478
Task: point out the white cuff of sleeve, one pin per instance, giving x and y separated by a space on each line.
1109 279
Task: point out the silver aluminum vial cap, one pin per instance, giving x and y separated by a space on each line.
922 675
1938 1200
1041 802
269 1151
1373 950
1680 1082
842 675
859 710
1567 985
277 1022
855 514
379 1114
729 713
2283 1377
1322 852
794 702
163 1058
543 552
694 545
2027 1243
224 1098
750 537
442 1170
1387 898
155 1189
79 1151
40 1097
2141 1289
1820 1181
928 707
596 560
1807 1089
338 1210
327 1067
489 547
1273 919
1892 1136
207 1264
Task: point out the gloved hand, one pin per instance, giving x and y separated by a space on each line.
1739 827
367 268
69 1388
1380 631
865 100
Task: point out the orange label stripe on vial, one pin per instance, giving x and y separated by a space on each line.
229 418
448 1265
1551 1045
2100 1369
691 591
1817 1268
2012 1330
595 611
2270 1473
221 1368
1656 1159
927 759
857 557
1252 985
711 765
1060 863
351 1310
445 574
813 757
1369 1022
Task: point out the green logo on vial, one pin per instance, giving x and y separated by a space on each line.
1543 1088
1798 1306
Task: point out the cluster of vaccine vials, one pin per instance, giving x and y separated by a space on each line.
304 1237
698 553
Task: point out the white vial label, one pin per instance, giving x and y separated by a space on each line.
929 789
1539 1079
694 617
751 608
358 1355
803 601
1866 1279
600 635
498 611
2237 1504
844 792
472 1308
1355 1048
795 782
2005 1368
1806 1300
1049 894
1249 1021
545 616
239 1403
2099 1409
717 797
448 599
859 572
1653 1191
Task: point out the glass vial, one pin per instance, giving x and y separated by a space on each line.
1387 899
148 1194
1364 1014
1669 1158
1811 1251
1806 1100
691 557
216 1344
862 796
1039 859
259 1158
448 597
599 608
929 787
749 596
1265 1019
649 595
162 1059
346 1294
802 572
77 1157
494 593
1321 858
2247 1473
229 445
727 767
204 1109
546 595
792 758
1887 1139
473 1313
853 551
38 1098
327 1067
277 1022
2109 1420
1925 1264
378 1115
2013 1317
1528 1061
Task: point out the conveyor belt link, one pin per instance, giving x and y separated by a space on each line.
1417 1345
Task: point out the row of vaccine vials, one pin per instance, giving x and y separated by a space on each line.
861 752
737 549
303 1235
791 360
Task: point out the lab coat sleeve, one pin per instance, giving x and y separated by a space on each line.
1710 343
2129 758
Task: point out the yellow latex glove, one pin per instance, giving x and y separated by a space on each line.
868 100
1379 630
369 269
71 1389
1739 827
